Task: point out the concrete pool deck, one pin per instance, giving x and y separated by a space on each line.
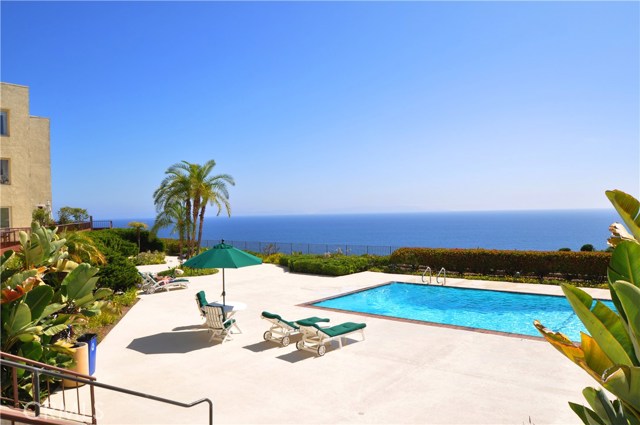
402 373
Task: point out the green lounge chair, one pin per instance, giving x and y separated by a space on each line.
201 301
314 337
284 328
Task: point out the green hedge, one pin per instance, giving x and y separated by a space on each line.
119 274
110 242
171 246
147 241
338 265
571 265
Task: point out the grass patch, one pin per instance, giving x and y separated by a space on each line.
188 272
102 323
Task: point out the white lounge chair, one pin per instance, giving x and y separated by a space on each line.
150 285
315 338
283 328
217 323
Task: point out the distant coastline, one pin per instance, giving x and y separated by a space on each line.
522 230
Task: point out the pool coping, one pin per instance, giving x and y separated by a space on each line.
310 304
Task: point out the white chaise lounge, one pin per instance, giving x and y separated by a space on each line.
283 328
315 338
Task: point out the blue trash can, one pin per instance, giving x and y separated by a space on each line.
92 342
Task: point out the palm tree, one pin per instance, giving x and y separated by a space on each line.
210 190
175 188
191 185
173 215
138 226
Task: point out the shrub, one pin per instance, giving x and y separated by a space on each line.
338 265
187 271
145 258
565 250
119 274
587 248
147 241
127 299
111 243
573 265
172 246
273 258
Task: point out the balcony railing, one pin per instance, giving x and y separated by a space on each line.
10 236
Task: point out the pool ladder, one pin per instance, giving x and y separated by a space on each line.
442 272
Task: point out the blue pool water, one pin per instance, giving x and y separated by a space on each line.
473 308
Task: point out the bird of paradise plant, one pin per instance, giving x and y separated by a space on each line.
610 353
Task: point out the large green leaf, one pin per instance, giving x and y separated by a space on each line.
80 281
52 330
50 309
610 413
38 299
608 340
625 263
20 318
19 278
588 416
629 297
31 350
624 382
628 208
102 293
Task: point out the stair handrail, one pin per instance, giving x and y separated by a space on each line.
444 273
428 269
37 371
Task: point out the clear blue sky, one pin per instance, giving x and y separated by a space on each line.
335 107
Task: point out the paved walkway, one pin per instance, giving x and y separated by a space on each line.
402 373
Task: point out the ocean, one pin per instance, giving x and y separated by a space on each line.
521 230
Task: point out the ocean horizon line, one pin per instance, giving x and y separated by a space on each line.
222 216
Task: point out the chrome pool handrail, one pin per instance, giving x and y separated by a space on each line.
428 269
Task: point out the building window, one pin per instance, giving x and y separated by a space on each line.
4 217
4 123
4 171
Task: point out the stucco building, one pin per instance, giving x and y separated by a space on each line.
25 158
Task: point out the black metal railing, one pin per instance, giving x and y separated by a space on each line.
37 369
306 248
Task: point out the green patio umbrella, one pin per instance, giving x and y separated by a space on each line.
222 256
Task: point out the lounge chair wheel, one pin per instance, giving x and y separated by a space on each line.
299 345
285 341
151 290
267 336
321 350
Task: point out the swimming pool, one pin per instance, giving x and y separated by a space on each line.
498 311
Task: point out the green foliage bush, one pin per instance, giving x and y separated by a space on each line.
171 246
125 241
110 242
272 258
572 265
147 241
146 258
336 265
187 272
119 274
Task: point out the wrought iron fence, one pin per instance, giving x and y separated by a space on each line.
306 248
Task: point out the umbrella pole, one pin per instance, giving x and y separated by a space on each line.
223 291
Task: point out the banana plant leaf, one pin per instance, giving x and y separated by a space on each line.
604 325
